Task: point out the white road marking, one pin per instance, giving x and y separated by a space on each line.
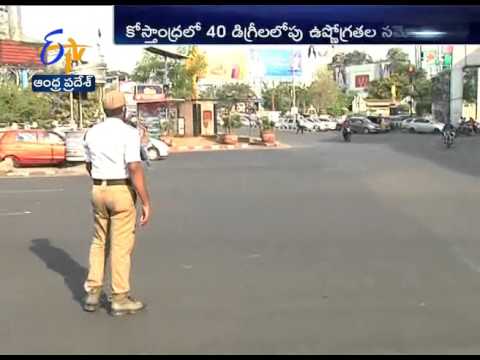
251 256
16 213
29 191
187 267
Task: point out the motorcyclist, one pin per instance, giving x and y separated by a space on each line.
448 128
473 125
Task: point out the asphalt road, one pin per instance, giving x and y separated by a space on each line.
327 247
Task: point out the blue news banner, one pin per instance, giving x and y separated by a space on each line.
63 83
296 24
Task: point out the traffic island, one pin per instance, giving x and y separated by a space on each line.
210 143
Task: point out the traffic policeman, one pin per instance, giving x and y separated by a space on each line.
112 150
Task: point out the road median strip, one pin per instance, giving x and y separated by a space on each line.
191 148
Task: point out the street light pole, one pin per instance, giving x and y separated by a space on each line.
80 110
411 72
293 82
273 96
71 109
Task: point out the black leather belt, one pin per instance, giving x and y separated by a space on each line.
112 182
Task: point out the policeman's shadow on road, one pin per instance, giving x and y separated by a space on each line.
59 261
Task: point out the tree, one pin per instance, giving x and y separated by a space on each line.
150 67
398 60
352 58
231 121
399 77
324 91
343 104
470 85
415 85
357 58
23 106
210 92
195 68
282 96
382 89
229 95
422 92
182 74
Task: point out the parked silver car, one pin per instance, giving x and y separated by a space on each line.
362 125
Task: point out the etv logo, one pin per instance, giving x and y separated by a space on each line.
74 54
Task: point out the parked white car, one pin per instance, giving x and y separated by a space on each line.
328 123
287 123
320 125
422 125
308 124
157 149
405 122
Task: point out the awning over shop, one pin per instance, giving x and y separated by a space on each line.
166 53
160 101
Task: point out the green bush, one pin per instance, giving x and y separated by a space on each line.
23 106
232 121
266 123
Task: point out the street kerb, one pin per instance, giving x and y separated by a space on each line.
219 147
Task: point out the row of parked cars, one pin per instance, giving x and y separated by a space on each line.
418 124
373 124
364 124
359 124
312 123
24 147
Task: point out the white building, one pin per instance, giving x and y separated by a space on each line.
357 77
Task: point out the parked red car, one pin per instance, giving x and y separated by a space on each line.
32 147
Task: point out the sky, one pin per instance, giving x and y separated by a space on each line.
82 23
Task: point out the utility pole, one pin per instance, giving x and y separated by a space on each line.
71 109
273 96
478 94
411 72
80 115
293 92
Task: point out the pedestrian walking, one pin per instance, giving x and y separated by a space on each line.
113 161
382 123
144 141
300 126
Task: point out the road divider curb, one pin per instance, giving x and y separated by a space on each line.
216 147
21 173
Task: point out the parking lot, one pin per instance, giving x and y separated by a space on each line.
326 247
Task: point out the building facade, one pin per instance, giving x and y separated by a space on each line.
357 77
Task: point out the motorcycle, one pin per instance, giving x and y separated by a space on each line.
467 129
449 138
347 134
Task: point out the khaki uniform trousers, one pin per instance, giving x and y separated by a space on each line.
115 220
